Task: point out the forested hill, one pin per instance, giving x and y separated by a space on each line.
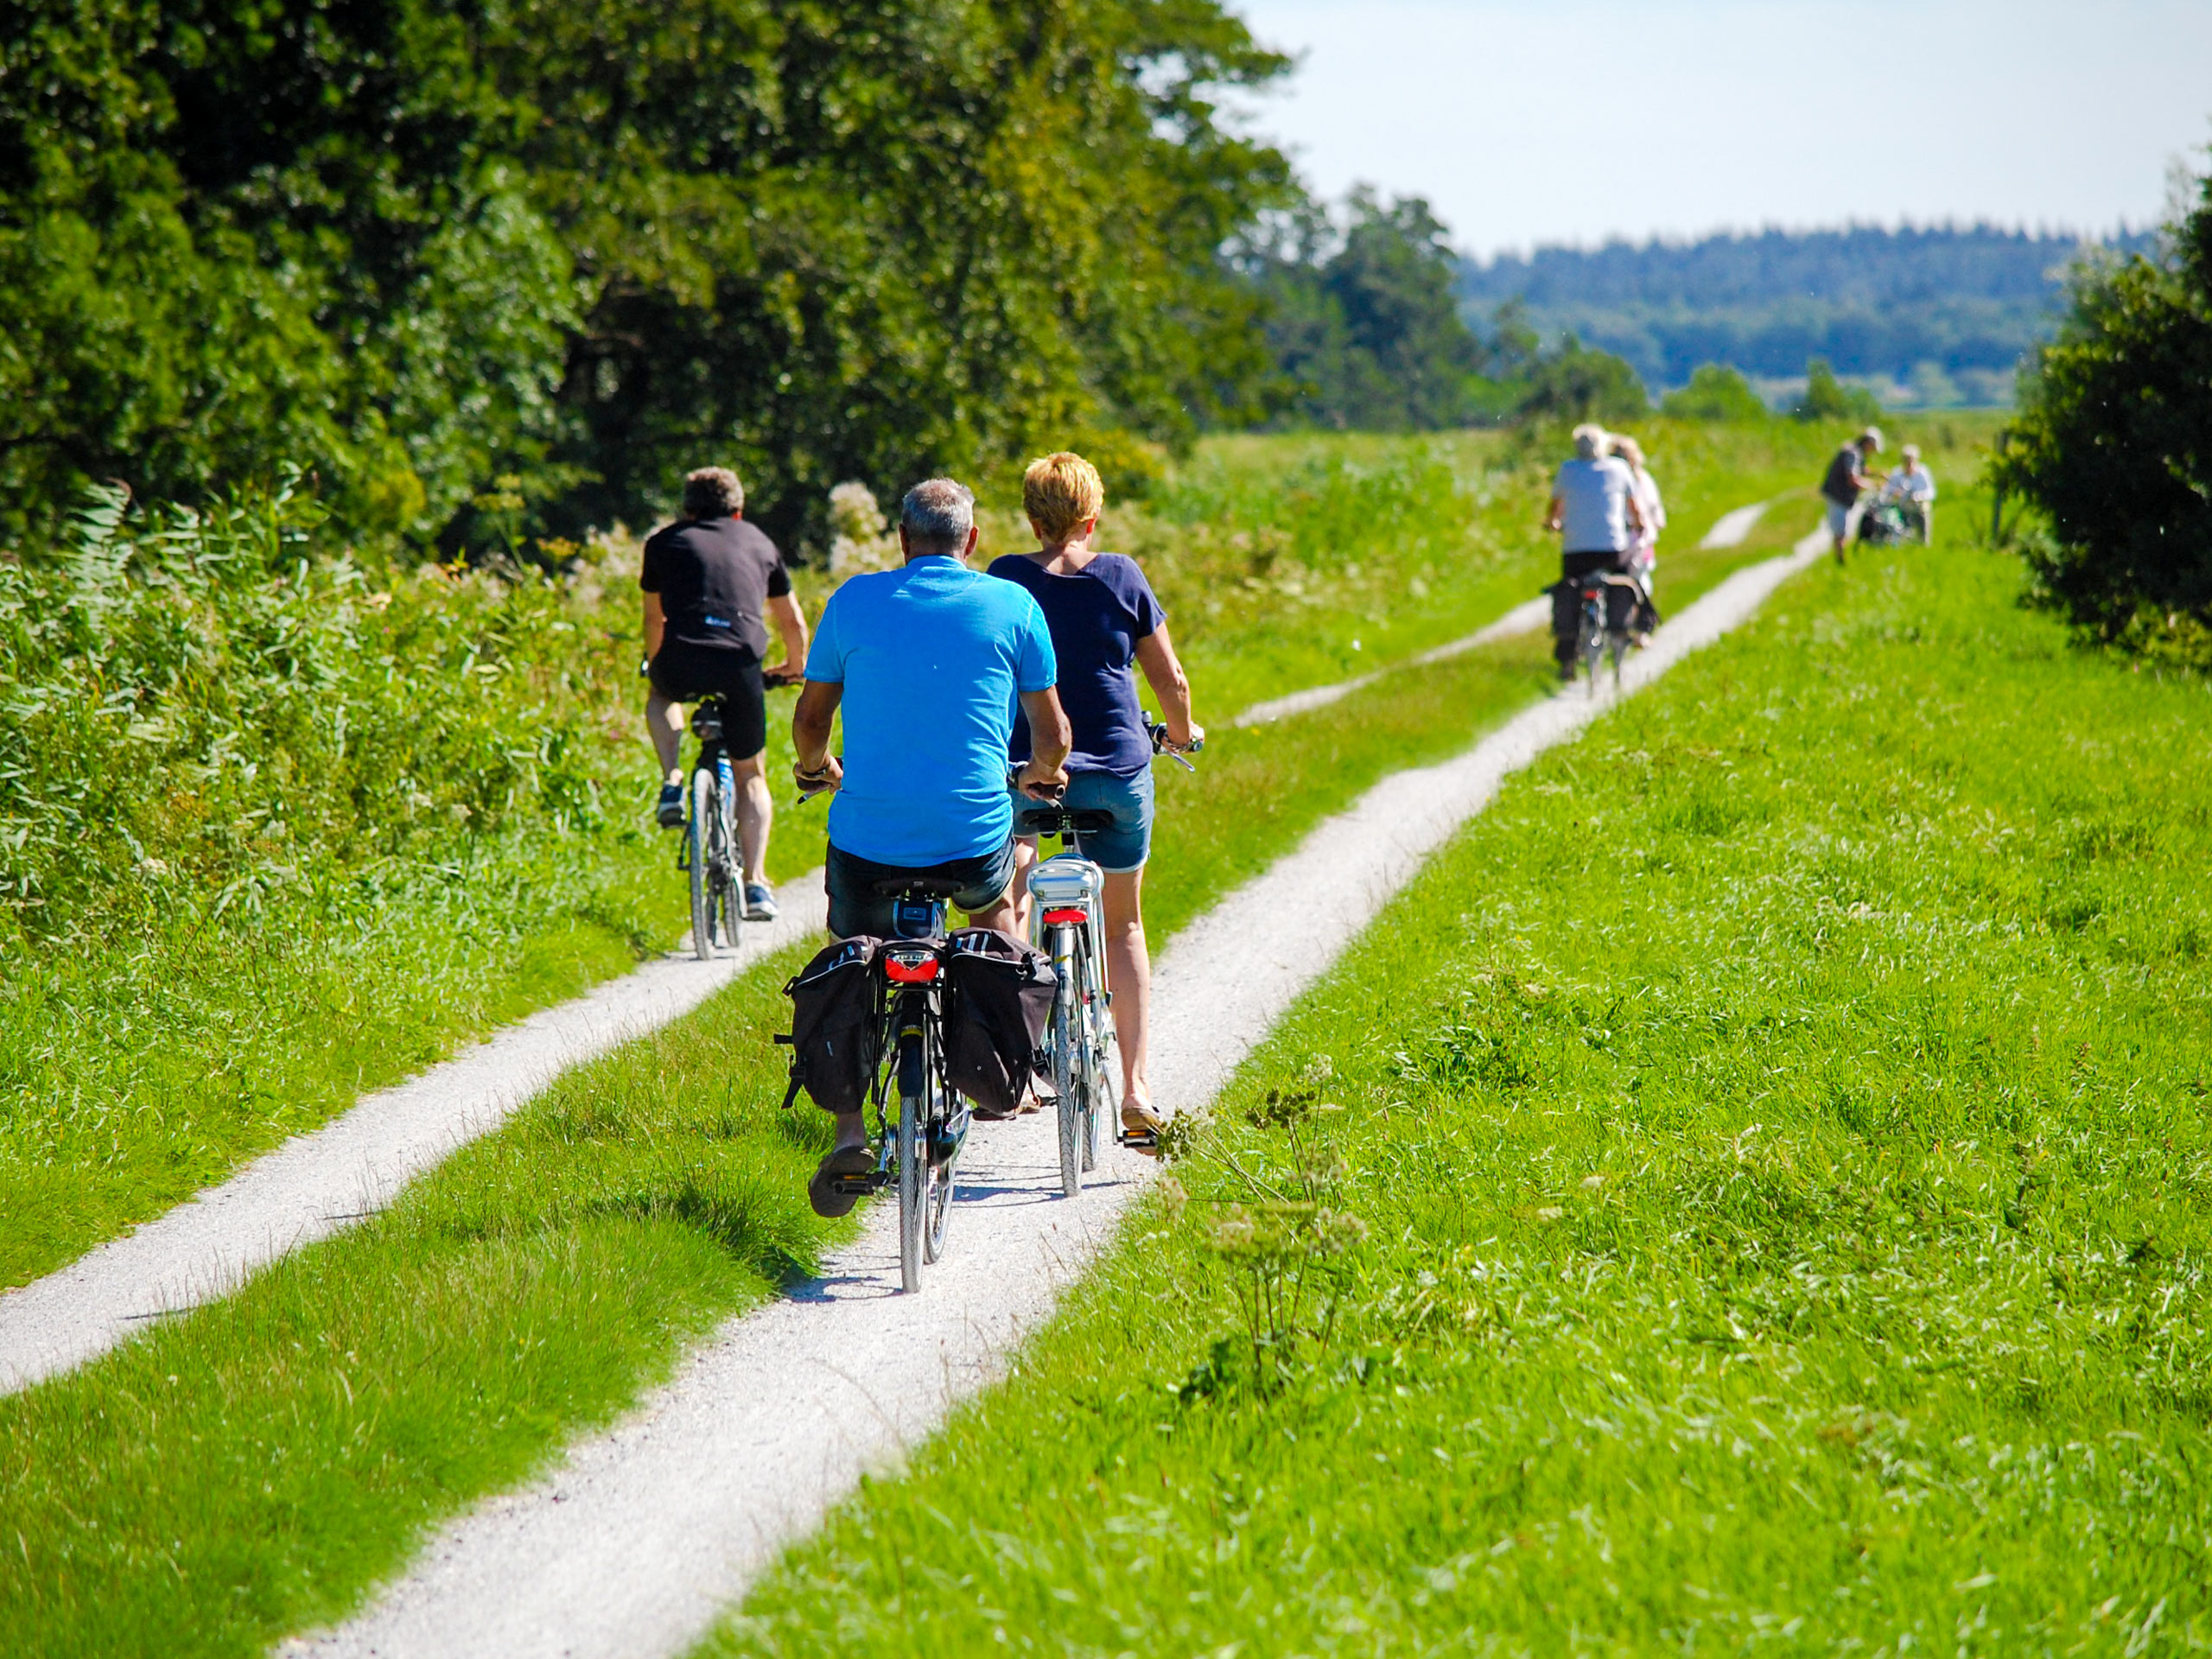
1958 304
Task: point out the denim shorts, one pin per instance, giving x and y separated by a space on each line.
854 907
1127 843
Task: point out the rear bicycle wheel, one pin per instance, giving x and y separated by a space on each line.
1067 1080
914 1155
1094 1086
729 869
701 831
1591 647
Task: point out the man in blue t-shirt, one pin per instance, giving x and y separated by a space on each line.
929 663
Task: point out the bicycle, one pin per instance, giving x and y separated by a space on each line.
920 1151
1608 603
710 852
1067 921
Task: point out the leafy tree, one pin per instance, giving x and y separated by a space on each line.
1828 400
1715 392
422 245
1576 384
1363 324
2113 448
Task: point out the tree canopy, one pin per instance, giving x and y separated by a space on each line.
447 254
2112 449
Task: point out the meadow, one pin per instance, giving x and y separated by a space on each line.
1752 1191
251 1468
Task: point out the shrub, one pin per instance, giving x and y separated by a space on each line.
1828 400
1716 392
2112 449
1575 384
202 709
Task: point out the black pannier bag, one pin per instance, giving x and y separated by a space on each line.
998 1002
834 1027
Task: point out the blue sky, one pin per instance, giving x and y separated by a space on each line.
1528 121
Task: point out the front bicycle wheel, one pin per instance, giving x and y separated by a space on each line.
701 832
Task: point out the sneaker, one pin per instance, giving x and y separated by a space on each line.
760 902
669 812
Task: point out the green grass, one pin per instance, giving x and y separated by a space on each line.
1776 1155
312 1431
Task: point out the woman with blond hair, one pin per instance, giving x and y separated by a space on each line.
1643 558
1103 619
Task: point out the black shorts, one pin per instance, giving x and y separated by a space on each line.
684 672
855 907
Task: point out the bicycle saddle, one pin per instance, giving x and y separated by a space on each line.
1053 821
916 887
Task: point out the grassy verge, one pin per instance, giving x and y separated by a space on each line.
1752 1189
314 1425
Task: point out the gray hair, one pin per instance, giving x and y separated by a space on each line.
1589 440
712 493
937 516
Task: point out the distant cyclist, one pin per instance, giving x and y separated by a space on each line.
928 663
1103 617
1846 480
708 580
1912 487
1595 509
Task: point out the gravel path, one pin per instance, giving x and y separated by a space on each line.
319 1183
638 1538
1731 528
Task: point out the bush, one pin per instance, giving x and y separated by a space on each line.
1575 384
205 709
1828 400
1716 392
2110 450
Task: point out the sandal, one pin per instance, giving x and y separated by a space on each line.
1140 1127
822 1192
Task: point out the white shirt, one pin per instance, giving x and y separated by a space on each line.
1914 481
1593 501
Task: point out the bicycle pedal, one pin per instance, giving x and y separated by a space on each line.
1138 1140
860 1186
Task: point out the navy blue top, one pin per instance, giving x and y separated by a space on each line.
1097 617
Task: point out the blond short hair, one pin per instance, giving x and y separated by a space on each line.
1059 492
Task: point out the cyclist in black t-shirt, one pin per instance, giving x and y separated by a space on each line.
712 582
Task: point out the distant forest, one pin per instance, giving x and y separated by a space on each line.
1946 312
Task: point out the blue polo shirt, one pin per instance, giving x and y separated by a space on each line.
932 656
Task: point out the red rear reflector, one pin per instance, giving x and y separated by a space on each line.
910 971
1066 918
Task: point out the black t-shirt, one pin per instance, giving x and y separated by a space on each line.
1841 485
713 576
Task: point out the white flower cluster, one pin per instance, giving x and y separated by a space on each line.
861 538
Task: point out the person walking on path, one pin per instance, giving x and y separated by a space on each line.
928 663
1847 480
1644 539
1913 488
1103 617
1594 508
709 580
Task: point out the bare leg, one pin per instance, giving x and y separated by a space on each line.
852 1130
1001 915
1128 970
665 721
756 814
1025 857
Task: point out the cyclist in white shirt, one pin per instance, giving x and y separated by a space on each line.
1913 488
1595 509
